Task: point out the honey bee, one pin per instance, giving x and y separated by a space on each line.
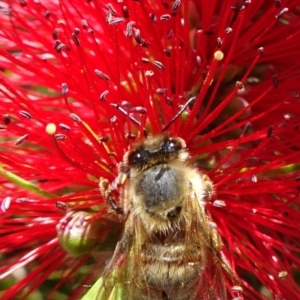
168 249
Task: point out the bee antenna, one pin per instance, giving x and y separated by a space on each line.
191 100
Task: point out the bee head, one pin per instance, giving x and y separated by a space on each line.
154 151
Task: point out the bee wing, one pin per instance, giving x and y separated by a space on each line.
114 284
117 281
211 284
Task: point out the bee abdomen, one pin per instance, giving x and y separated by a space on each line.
169 272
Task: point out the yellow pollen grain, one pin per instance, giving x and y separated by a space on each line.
218 55
51 128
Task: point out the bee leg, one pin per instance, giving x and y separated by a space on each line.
208 186
106 191
229 271
217 245
216 239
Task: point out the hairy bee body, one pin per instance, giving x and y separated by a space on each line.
172 258
168 249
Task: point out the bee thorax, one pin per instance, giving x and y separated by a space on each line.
159 190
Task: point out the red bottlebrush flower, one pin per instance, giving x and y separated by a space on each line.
82 81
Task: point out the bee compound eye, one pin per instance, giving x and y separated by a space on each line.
137 157
171 145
